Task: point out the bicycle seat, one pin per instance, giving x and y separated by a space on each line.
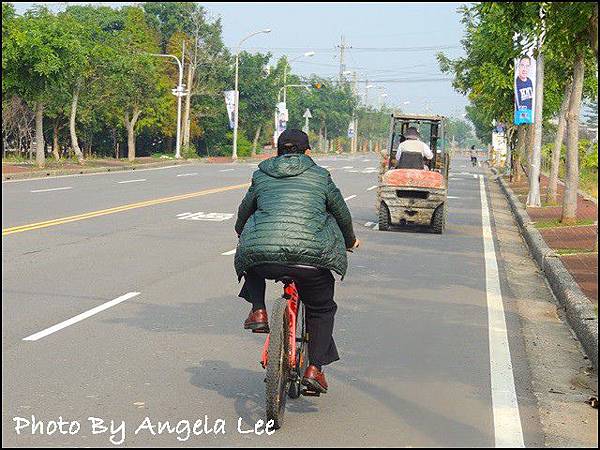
287 279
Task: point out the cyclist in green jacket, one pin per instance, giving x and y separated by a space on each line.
294 222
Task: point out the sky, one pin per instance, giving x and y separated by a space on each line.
392 45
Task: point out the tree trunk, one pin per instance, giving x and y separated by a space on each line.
40 157
519 152
72 130
552 192
256 138
55 146
569 210
533 197
130 126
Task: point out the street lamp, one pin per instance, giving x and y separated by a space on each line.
179 92
285 68
367 87
237 94
381 97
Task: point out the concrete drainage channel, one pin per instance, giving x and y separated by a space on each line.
579 310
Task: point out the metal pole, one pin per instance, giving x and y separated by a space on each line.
179 96
235 109
285 82
237 94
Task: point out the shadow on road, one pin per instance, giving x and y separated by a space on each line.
245 387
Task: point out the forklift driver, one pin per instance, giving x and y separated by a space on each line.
412 150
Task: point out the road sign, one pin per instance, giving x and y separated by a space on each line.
307 114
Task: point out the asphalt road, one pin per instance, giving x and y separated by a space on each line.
429 356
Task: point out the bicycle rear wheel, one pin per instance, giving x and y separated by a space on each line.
277 379
301 355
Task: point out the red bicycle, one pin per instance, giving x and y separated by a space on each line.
285 353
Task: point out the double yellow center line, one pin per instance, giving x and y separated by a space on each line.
103 212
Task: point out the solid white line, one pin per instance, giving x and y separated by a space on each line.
230 252
131 181
80 317
53 189
508 431
349 198
226 170
372 187
187 174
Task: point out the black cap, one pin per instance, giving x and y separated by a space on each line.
292 141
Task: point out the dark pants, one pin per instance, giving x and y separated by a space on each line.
315 287
410 160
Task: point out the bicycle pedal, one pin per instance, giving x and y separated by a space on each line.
309 393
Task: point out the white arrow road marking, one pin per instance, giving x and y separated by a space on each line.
80 317
131 181
230 252
53 189
349 198
508 432
372 187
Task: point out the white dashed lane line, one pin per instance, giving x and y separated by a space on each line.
226 170
372 187
132 181
53 189
349 198
230 252
187 174
80 317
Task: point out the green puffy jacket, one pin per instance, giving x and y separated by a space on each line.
293 213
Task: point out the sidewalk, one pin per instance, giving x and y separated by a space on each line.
574 244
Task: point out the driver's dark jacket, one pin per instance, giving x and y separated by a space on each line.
293 213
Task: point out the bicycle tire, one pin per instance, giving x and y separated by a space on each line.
277 379
295 389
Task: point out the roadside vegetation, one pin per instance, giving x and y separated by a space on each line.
86 83
569 33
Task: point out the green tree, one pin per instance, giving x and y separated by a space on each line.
37 54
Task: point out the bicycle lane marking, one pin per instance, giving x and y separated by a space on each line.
508 431
80 317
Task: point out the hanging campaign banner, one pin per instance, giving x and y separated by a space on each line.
351 129
230 104
525 75
281 119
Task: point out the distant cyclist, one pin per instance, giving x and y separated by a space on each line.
473 156
294 222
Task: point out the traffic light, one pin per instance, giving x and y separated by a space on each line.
317 85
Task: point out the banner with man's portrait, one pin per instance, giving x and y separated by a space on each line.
525 73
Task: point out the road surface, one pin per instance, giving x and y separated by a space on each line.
120 303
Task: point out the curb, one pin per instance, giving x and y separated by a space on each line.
58 172
578 308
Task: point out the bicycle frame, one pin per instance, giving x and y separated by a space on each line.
293 303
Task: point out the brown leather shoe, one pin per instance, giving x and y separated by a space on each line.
314 379
257 321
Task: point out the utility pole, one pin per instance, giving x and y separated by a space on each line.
354 141
343 46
